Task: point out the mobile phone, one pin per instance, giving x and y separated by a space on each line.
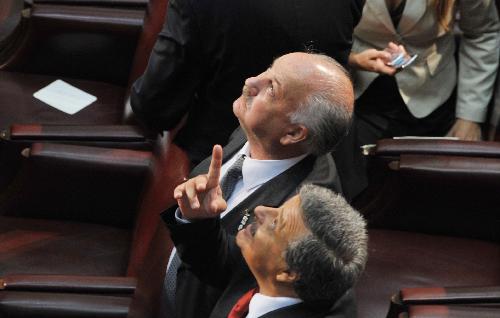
397 59
409 61
400 62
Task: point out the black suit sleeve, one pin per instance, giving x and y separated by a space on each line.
165 92
206 249
357 10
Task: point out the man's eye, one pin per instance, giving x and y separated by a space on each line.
273 224
271 90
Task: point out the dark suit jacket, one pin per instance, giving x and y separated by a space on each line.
208 48
196 298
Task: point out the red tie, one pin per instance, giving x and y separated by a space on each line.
240 310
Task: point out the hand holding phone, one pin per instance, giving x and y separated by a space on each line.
400 59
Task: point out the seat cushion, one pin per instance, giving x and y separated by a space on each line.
404 259
19 106
442 311
32 246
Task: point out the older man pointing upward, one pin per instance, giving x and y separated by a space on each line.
292 115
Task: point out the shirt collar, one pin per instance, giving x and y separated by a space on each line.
256 172
262 304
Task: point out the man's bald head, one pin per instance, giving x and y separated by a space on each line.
302 104
320 73
327 100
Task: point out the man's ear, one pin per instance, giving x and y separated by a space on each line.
287 276
295 133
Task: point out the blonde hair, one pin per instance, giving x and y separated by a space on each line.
444 12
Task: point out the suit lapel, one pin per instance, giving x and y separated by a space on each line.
237 141
379 9
412 13
414 10
272 193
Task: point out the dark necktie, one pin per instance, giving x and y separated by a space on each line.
232 176
240 309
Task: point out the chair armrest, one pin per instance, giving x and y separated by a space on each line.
396 147
76 132
431 301
75 155
450 295
27 305
112 136
78 183
442 311
116 3
453 168
69 284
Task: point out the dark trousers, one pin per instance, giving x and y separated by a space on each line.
379 113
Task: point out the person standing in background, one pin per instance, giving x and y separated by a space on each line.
420 100
207 48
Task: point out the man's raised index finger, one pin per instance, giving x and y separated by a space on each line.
215 166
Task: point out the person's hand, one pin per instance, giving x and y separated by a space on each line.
394 49
372 60
465 130
201 196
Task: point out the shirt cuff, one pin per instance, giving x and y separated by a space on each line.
179 218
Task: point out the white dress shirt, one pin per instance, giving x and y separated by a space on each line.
255 173
262 304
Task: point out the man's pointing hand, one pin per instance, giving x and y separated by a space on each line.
201 196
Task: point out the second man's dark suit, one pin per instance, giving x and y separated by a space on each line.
215 258
207 49
196 299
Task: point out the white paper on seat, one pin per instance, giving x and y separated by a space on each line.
64 97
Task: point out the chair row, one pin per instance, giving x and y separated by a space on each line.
73 230
98 46
105 264
432 207
431 204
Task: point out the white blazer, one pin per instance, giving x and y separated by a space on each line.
430 80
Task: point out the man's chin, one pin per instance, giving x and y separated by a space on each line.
243 127
238 107
243 237
240 240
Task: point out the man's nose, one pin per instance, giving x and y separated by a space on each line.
253 86
262 212
259 214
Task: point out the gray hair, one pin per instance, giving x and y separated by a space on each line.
330 259
326 111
